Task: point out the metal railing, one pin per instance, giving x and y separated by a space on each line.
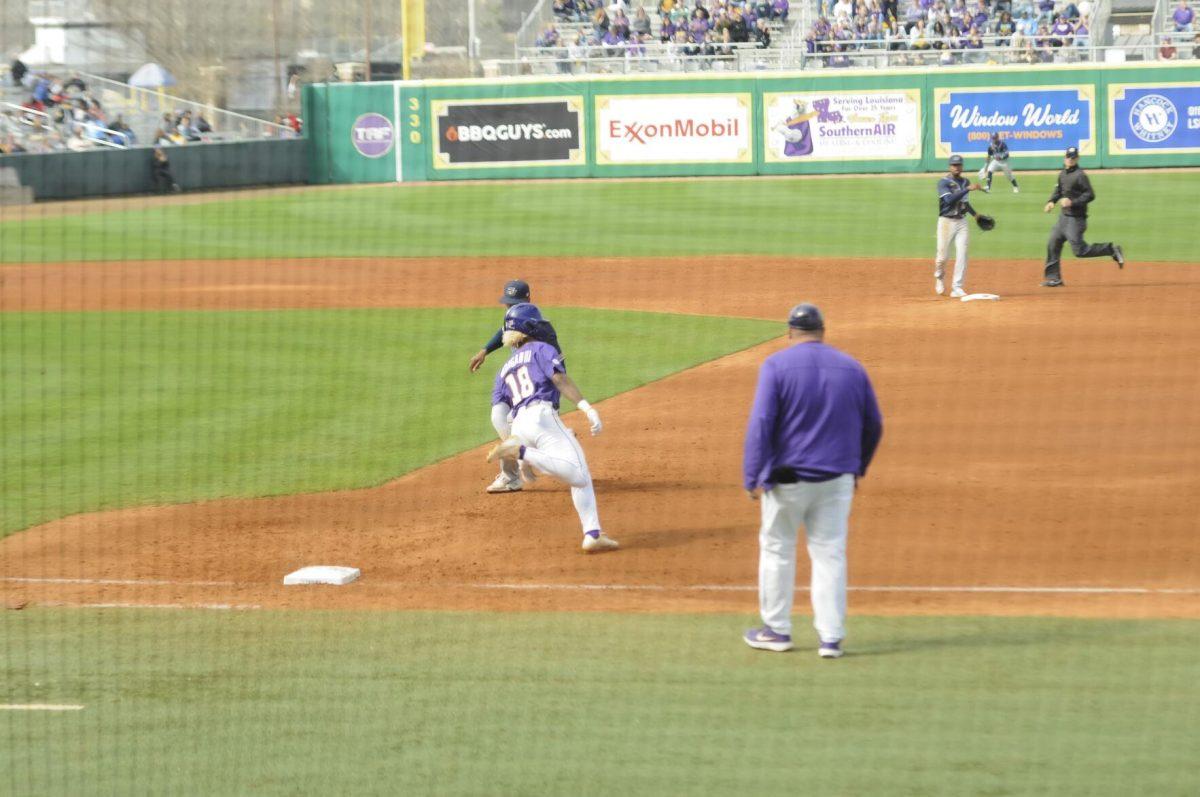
749 59
537 16
66 131
149 105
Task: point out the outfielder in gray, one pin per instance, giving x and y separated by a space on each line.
1074 193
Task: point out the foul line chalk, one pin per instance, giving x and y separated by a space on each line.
741 588
40 707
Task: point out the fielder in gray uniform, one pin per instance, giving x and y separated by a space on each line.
953 208
997 161
1074 193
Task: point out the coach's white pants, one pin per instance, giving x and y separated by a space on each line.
956 231
500 423
552 448
823 509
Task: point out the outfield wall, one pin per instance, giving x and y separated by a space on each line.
826 122
196 167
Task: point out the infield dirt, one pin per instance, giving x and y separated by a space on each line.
1048 440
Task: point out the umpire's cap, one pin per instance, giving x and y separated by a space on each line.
515 292
806 317
956 160
1072 152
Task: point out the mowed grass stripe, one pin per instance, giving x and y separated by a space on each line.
106 410
448 703
1148 212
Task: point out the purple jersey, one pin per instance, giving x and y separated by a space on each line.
527 376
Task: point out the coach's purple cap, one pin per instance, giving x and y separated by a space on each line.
515 292
806 317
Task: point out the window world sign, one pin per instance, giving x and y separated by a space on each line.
1151 119
1034 120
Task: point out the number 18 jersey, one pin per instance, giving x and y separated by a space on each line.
527 375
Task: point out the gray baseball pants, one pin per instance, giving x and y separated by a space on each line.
1070 229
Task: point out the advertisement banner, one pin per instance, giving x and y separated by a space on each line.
372 135
1154 118
1034 120
541 131
842 125
674 128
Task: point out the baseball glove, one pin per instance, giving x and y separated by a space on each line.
985 222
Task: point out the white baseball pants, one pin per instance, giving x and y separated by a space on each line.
552 448
957 232
1000 166
823 509
508 467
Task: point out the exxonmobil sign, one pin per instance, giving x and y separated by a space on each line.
705 128
484 133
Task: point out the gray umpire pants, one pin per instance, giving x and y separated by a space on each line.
1070 229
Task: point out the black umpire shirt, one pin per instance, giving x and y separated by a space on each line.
1074 184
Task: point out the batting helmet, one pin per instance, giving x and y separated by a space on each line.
524 318
956 160
515 292
806 317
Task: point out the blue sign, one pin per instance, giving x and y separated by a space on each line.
1152 119
1033 120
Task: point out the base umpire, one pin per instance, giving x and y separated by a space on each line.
1074 192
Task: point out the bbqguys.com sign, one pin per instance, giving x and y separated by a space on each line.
704 128
500 133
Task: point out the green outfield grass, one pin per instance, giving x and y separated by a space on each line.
882 216
102 410
449 703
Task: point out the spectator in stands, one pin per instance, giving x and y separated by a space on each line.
912 14
160 170
739 31
697 29
548 37
162 138
761 35
614 45
1085 11
1045 10
17 71
121 133
1061 32
973 47
577 53
565 10
666 29
1183 17
186 129
1027 25
917 37
10 145
1082 35
641 22
204 126
1167 51
1196 48
600 24
779 10
843 9
1005 28
619 24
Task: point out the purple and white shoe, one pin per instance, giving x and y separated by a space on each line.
831 650
766 639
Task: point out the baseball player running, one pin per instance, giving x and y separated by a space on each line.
511 478
531 383
813 430
997 159
952 226
1074 193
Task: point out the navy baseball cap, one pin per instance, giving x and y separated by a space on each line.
1072 152
515 292
806 317
956 160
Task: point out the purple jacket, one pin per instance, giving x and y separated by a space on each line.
814 412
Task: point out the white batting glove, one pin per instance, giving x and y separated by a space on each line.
592 416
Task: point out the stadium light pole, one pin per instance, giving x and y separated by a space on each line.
471 54
367 37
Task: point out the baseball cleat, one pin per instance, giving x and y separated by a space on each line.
939 286
1016 190
987 189
957 293
503 484
508 449
1052 284
598 541
831 650
1119 255
766 639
